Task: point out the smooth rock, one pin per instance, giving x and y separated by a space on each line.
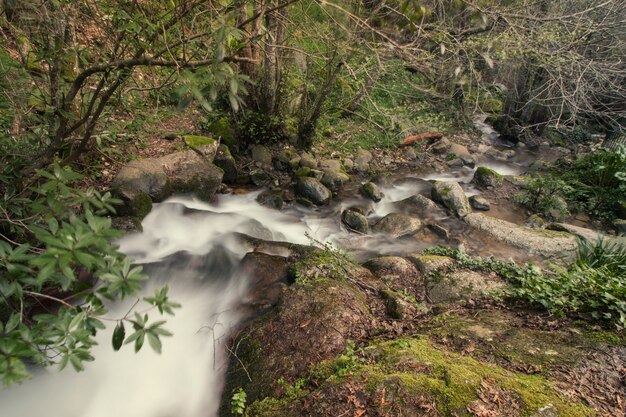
332 165
138 184
191 173
419 205
271 200
371 190
479 203
313 190
396 225
262 154
431 264
460 285
225 161
455 163
487 178
452 196
334 180
362 160
307 160
355 221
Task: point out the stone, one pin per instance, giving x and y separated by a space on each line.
332 165
452 196
409 153
397 225
431 264
260 177
204 145
441 147
460 285
539 241
334 180
535 221
397 306
348 164
303 172
487 178
419 205
268 276
144 177
355 221
439 230
371 191
399 274
307 160
192 173
459 151
455 163
547 411
468 161
620 226
225 161
313 190
271 200
479 203
262 154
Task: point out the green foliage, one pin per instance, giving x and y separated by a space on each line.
594 285
255 127
347 361
238 402
545 195
56 256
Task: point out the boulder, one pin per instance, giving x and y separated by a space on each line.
261 154
441 147
620 226
399 274
455 163
260 177
203 145
452 196
487 178
355 221
396 225
286 160
371 191
334 180
191 173
307 160
419 205
332 165
138 184
362 160
460 285
539 241
267 278
479 203
459 151
224 160
311 189
431 264
271 200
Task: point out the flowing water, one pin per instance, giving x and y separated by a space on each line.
191 247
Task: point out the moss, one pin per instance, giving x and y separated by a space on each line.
141 205
487 177
194 141
303 172
318 265
491 105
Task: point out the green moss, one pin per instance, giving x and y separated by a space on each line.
487 177
141 205
303 172
194 141
491 105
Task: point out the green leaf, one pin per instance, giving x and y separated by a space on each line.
154 342
118 336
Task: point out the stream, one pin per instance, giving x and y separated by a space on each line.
191 247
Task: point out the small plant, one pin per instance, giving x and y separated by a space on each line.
238 402
348 361
545 195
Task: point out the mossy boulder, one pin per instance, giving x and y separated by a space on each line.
487 178
457 285
225 160
271 200
399 274
138 184
203 144
312 190
192 173
371 191
355 221
261 154
418 205
452 196
334 180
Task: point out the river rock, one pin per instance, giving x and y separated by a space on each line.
260 177
487 178
620 226
271 200
261 154
138 184
419 205
191 173
441 147
371 191
286 160
334 180
451 195
543 242
224 160
267 278
355 221
399 274
307 160
459 151
313 190
479 203
332 165
588 234
468 161
396 225
455 163
204 145
431 264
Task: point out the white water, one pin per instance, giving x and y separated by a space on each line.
185 380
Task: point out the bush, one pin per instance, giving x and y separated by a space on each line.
545 195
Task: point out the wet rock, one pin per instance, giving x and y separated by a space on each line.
268 276
441 147
334 180
271 200
455 163
544 242
468 161
439 230
191 173
225 161
260 177
420 205
371 191
138 184
479 203
362 160
399 274
126 224
452 196
431 264
460 285
355 221
499 155
396 225
307 160
261 154
459 151
487 178
286 160
313 190
620 226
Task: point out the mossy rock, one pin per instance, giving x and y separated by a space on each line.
491 105
195 141
487 178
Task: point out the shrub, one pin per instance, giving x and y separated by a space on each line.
545 195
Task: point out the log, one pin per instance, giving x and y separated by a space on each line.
422 136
